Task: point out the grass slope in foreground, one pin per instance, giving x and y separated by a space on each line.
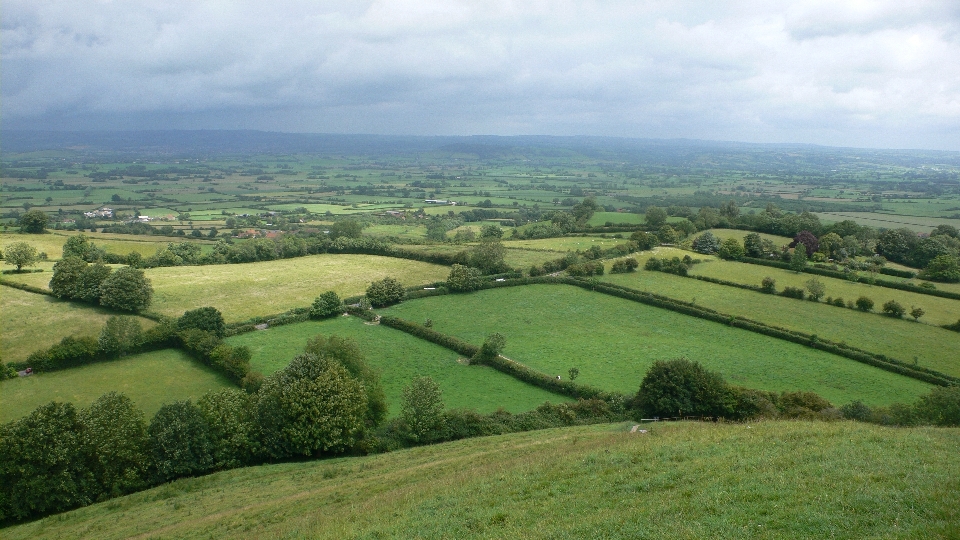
241 291
400 358
30 322
149 379
614 341
683 480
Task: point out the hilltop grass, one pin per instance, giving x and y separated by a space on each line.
149 379
905 340
613 342
242 291
684 480
400 358
30 322
939 310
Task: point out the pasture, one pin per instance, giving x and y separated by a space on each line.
400 358
599 219
30 322
613 342
242 291
905 340
888 221
723 234
939 311
149 379
786 479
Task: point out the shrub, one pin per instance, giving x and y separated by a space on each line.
682 388
864 304
856 411
941 407
464 279
707 243
208 319
326 305
731 249
838 301
816 289
916 313
768 285
385 292
120 335
802 404
894 309
421 410
624 266
126 289
793 292
180 441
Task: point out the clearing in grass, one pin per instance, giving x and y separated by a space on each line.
613 342
400 358
149 379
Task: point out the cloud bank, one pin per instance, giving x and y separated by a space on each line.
849 73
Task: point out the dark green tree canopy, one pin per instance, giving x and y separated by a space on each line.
682 388
385 292
126 289
34 222
326 305
208 319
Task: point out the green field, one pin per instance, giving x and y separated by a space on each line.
123 244
30 322
242 291
599 219
149 379
613 342
723 234
939 311
682 480
567 243
888 221
904 340
400 358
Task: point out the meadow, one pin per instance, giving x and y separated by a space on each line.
888 221
149 379
242 291
400 358
30 322
121 244
939 311
785 479
613 342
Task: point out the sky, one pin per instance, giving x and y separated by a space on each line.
878 74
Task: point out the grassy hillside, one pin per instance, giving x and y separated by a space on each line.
400 358
149 379
689 480
29 322
902 339
614 341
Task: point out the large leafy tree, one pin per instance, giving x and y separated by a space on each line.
707 243
20 254
229 417
464 279
682 388
656 216
126 289
115 435
180 441
385 292
34 222
421 410
809 240
120 335
208 319
66 274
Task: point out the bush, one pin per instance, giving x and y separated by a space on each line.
731 249
624 266
894 309
326 305
856 411
793 292
682 388
385 292
126 289
421 410
838 301
768 285
864 304
464 279
816 289
180 441
120 335
802 405
706 243
208 319
941 407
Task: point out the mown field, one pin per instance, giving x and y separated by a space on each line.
683 480
888 221
939 311
904 340
614 341
122 244
241 291
400 358
723 234
29 322
566 243
149 379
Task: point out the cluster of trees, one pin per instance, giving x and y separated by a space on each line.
325 402
125 289
674 265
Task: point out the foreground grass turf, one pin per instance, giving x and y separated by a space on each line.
932 347
242 291
686 480
939 310
149 379
30 322
400 358
614 341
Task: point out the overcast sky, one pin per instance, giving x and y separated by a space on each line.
832 72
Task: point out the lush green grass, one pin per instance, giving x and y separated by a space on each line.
683 480
939 310
723 234
889 221
52 242
149 379
241 291
614 341
905 340
400 357
566 243
617 218
29 322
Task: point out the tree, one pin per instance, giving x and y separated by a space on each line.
916 313
798 261
78 246
88 285
34 222
864 304
385 292
208 319
753 245
644 240
490 349
682 388
464 279
126 289
768 285
348 228
491 231
229 417
326 305
706 243
488 256
421 410
809 241
120 335
115 434
731 249
656 217
180 441
66 274
348 354
20 254
941 407
573 373
894 309
830 244
816 288
942 268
